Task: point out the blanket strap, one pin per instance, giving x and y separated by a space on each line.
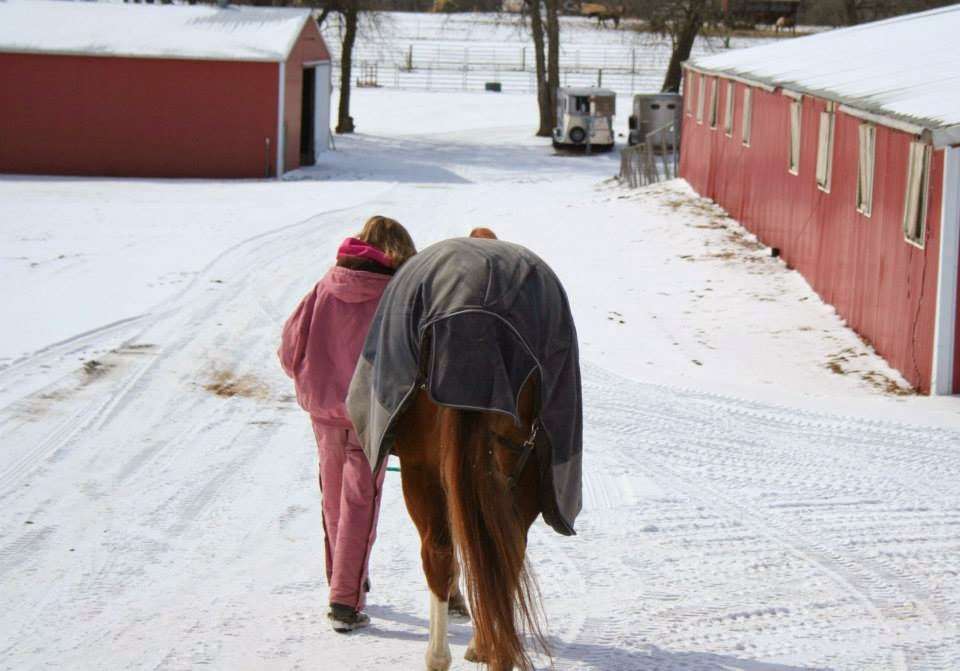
525 450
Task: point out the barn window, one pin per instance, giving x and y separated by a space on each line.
825 149
714 102
796 112
688 92
747 114
865 165
701 94
915 201
728 112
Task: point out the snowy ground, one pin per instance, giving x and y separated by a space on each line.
758 493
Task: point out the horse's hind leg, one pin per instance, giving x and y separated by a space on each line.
427 505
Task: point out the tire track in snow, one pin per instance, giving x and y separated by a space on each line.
708 446
250 254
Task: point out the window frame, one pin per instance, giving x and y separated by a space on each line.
796 127
825 148
919 163
688 92
746 132
866 154
729 109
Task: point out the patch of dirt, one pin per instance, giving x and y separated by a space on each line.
227 384
94 369
136 348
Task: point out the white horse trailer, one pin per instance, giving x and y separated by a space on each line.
585 118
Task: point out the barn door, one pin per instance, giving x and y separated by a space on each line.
307 117
322 109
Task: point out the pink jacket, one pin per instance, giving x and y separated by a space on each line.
323 338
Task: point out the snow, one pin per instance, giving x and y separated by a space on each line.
151 31
745 506
906 67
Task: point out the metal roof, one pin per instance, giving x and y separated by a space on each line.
586 91
149 31
907 68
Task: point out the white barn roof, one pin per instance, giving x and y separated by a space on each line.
907 67
149 31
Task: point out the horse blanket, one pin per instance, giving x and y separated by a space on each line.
491 314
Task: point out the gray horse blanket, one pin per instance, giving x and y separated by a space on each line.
494 314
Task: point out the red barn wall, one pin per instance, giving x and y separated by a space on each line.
309 48
137 117
884 287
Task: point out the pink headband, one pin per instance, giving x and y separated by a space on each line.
364 250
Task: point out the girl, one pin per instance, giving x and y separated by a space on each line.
322 341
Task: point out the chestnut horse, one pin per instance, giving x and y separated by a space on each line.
471 484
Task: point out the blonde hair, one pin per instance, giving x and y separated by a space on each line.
389 237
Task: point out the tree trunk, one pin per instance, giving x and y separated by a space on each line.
682 45
553 56
344 120
543 94
850 12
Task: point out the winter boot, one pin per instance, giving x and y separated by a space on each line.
345 619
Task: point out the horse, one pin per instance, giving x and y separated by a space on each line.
470 494
470 375
785 22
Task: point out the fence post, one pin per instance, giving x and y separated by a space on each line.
600 77
633 60
410 59
523 59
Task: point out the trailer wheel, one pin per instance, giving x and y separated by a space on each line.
577 135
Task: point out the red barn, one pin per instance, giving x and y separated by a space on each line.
842 150
160 90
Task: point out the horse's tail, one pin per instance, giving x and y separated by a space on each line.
491 542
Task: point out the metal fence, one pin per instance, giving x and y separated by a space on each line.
438 67
639 164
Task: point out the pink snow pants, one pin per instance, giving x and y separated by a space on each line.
351 506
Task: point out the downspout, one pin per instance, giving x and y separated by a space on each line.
944 337
282 88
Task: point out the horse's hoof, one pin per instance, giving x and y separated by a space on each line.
439 663
471 655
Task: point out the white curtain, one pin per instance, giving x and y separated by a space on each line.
747 113
914 203
825 150
868 135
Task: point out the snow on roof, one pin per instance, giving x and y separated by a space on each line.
906 67
150 31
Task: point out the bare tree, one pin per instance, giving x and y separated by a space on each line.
681 21
553 56
350 12
546 53
543 92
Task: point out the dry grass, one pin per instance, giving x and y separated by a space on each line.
841 364
227 384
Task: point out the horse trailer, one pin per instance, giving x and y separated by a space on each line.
659 114
585 118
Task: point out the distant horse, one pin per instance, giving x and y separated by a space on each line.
603 13
470 375
784 23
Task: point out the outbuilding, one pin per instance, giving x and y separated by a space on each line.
842 150
160 90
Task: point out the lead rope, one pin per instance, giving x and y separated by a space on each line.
525 449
